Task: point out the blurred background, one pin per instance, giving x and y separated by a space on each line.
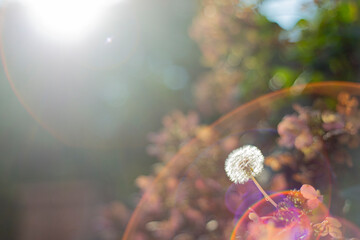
95 94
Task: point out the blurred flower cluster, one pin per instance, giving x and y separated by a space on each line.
187 209
313 131
192 205
178 130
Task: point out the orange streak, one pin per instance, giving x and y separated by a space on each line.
12 84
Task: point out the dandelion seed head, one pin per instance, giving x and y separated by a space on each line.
244 163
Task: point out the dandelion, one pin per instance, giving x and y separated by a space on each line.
244 164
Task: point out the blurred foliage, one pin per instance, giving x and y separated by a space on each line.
242 49
328 47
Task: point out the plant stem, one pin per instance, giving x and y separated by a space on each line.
267 198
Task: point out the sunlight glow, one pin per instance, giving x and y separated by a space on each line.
66 19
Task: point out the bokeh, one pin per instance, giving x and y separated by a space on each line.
117 117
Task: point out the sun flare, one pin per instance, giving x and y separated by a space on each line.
66 19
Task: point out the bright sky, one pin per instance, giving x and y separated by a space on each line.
287 12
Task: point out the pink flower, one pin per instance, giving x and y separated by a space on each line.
312 196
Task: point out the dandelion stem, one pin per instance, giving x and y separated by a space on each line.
267 198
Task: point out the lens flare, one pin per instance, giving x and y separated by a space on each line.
261 207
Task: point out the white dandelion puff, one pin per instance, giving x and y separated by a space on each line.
244 164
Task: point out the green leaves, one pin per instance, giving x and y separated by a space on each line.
348 12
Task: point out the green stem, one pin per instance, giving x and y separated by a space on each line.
267 198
